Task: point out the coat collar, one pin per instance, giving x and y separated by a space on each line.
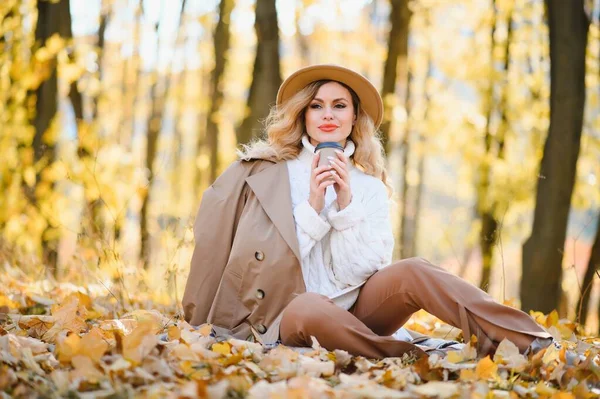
272 188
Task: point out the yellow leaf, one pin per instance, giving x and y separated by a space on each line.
68 347
563 395
552 319
55 43
508 354
93 345
486 369
174 333
192 370
467 375
542 389
84 368
6 301
454 357
222 347
151 317
138 344
69 315
551 354
205 330
29 176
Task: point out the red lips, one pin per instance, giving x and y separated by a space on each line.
328 127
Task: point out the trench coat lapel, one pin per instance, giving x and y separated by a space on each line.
272 188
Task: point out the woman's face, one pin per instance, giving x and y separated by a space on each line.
330 115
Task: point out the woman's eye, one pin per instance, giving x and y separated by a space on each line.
340 105
315 106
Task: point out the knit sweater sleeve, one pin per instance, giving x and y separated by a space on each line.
310 227
361 238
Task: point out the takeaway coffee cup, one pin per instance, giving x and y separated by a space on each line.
327 149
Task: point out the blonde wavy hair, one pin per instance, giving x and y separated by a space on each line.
285 126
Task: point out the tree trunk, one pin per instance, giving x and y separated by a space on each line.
412 244
301 40
93 207
52 18
153 129
586 288
104 18
221 44
542 252
396 64
404 189
486 207
266 76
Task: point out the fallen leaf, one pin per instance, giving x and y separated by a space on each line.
93 345
509 355
224 348
83 367
140 342
68 347
486 369
438 389
173 332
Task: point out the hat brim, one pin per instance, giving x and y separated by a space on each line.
370 100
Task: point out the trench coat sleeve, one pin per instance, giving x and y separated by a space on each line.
361 239
214 230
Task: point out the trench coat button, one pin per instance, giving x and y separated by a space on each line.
260 294
259 255
261 328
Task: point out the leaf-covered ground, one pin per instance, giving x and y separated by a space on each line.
61 340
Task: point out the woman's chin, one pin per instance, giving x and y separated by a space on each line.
322 137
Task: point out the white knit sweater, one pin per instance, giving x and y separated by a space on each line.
340 250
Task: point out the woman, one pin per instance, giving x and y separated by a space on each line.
286 250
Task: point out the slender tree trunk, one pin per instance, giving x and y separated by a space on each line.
301 40
53 18
93 207
542 252
129 97
396 64
404 183
586 288
411 195
153 129
266 76
487 207
221 44
104 19
412 245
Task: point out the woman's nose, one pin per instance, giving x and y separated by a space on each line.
328 114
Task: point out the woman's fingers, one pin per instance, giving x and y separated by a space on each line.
315 160
326 184
339 168
339 180
321 169
342 157
323 175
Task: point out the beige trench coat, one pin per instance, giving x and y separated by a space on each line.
245 267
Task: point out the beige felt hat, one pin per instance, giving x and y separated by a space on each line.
370 100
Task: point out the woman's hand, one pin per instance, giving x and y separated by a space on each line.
341 175
318 185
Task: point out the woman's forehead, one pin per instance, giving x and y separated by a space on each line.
333 90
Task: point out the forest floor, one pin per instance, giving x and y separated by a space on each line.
60 339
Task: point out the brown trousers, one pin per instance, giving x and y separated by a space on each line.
386 302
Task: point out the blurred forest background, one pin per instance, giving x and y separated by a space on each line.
115 115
